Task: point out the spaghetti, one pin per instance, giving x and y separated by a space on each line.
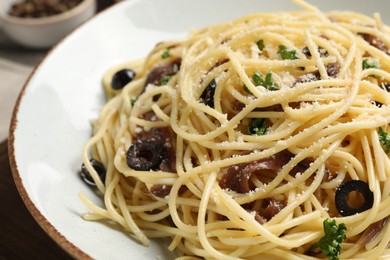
236 141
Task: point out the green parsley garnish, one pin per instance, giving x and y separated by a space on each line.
132 101
246 89
370 64
287 54
165 54
268 83
165 79
257 79
323 52
258 126
331 243
260 44
384 138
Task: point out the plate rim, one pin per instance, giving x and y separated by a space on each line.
43 222
64 243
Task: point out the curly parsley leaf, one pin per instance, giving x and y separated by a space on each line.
165 54
247 90
370 64
384 139
331 243
258 126
268 82
260 44
287 54
165 79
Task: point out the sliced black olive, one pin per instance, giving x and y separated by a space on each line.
322 51
122 78
99 168
306 51
145 155
387 86
343 204
207 96
333 69
378 104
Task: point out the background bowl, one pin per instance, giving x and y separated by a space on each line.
43 32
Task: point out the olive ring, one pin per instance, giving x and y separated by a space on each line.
341 198
144 155
99 168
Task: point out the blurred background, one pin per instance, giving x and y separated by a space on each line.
16 64
20 235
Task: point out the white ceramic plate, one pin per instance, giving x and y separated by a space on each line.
51 121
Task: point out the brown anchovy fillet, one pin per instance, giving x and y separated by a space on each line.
372 231
156 73
160 190
237 176
273 208
376 42
265 213
163 190
332 69
237 105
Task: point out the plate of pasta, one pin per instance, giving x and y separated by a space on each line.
212 130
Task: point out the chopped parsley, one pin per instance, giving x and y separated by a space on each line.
287 54
132 101
322 52
260 44
370 64
165 54
258 126
268 82
246 89
165 79
331 243
386 86
384 139
257 79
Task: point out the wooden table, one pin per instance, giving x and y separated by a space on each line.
20 235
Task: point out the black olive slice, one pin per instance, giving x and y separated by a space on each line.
207 96
144 155
306 51
99 168
387 86
121 78
342 197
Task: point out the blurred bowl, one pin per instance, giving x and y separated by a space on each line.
43 32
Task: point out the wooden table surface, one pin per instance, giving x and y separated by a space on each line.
20 235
